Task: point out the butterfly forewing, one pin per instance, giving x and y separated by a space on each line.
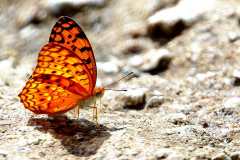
67 33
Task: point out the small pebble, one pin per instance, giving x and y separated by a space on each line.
156 60
233 102
59 6
108 67
221 156
169 154
134 99
177 118
154 101
233 36
235 156
31 14
136 46
236 76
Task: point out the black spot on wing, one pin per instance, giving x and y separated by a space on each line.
86 61
76 64
73 48
46 77
83 49
61 40
64 19
81 35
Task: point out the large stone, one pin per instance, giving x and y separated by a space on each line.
154 61
171 21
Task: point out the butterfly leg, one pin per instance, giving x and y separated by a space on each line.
95 114
78 111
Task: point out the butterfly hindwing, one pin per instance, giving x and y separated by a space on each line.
47 98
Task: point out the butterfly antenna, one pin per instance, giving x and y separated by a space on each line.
125 76
115 89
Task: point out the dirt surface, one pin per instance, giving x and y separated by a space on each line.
182 102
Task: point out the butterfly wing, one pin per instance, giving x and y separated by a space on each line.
67 33
44 98
65 72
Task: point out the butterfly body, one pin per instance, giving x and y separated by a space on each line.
65 73
92 99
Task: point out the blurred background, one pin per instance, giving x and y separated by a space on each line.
119 31
182 102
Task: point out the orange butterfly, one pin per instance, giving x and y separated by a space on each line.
65 73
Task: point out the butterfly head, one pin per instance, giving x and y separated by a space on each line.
98 91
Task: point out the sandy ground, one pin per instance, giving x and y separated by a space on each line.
182 102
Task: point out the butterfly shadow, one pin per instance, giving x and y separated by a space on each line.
79 137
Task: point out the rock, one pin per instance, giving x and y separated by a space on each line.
233 36
236 76
130 99
235 156
61 6
177 118
221 156
183 108
3 153
204 76
135 30
154 61
134 98
171 21
158 4
136 46
168 154
31 13
108 67
136 60
233 102
29 33
154 101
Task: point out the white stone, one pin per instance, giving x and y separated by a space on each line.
186 10
236 73
155 101
55 5
136 61
169 154
29 32
232 102
177 118
134 97
153 57
221 156
108 67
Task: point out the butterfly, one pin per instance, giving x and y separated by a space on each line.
65 74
